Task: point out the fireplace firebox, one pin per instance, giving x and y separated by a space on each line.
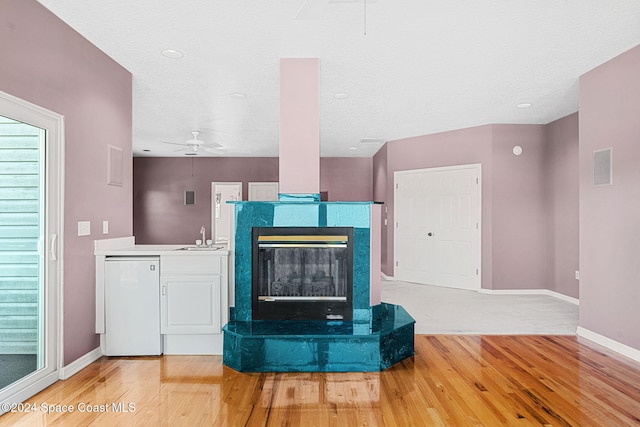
302 273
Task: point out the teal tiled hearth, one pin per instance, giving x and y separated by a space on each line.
377 336
316 346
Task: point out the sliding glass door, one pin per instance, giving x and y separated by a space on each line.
30 222
21 266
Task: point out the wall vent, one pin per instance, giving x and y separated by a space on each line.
603 167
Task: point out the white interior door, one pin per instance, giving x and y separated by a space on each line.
437 226
221 193
263 191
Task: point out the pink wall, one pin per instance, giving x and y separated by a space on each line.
518 239
465 146
347 178
160 215
562 205
299 125
609 216
380 195
513 203
47 63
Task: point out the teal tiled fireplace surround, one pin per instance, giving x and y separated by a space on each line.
377 337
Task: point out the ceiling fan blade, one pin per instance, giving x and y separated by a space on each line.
173 143
311 9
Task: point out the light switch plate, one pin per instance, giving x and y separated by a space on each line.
105 227
84 228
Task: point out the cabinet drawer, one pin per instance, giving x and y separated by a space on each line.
185 264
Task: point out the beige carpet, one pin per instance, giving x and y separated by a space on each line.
439 310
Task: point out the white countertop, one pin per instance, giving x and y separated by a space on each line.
127 247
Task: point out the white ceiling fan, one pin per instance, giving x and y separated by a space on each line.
312 9
195 145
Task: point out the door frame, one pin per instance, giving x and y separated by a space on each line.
52 248
213 203
478 167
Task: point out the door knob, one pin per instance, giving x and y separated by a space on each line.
429 234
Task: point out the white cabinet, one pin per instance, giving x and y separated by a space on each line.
193 301
190 304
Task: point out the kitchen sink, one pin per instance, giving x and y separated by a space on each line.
199 248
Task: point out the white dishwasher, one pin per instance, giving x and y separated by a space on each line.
132 306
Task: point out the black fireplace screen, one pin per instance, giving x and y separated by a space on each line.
302 273
292 272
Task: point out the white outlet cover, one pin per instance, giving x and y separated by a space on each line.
84 228
105 227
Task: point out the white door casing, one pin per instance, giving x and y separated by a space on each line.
221 193
437 226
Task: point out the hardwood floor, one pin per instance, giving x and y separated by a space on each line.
451 381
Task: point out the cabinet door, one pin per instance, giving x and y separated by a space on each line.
190 304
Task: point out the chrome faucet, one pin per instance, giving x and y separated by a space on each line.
202 231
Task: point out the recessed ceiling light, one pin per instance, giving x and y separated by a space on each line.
238 95
172 53
524 105
340 95
146 150
353 148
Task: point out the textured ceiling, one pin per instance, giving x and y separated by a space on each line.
422 67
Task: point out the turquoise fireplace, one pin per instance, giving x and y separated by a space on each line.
373 336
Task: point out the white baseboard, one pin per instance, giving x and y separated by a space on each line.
616 346
79 364
29 391
192 344
547 292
